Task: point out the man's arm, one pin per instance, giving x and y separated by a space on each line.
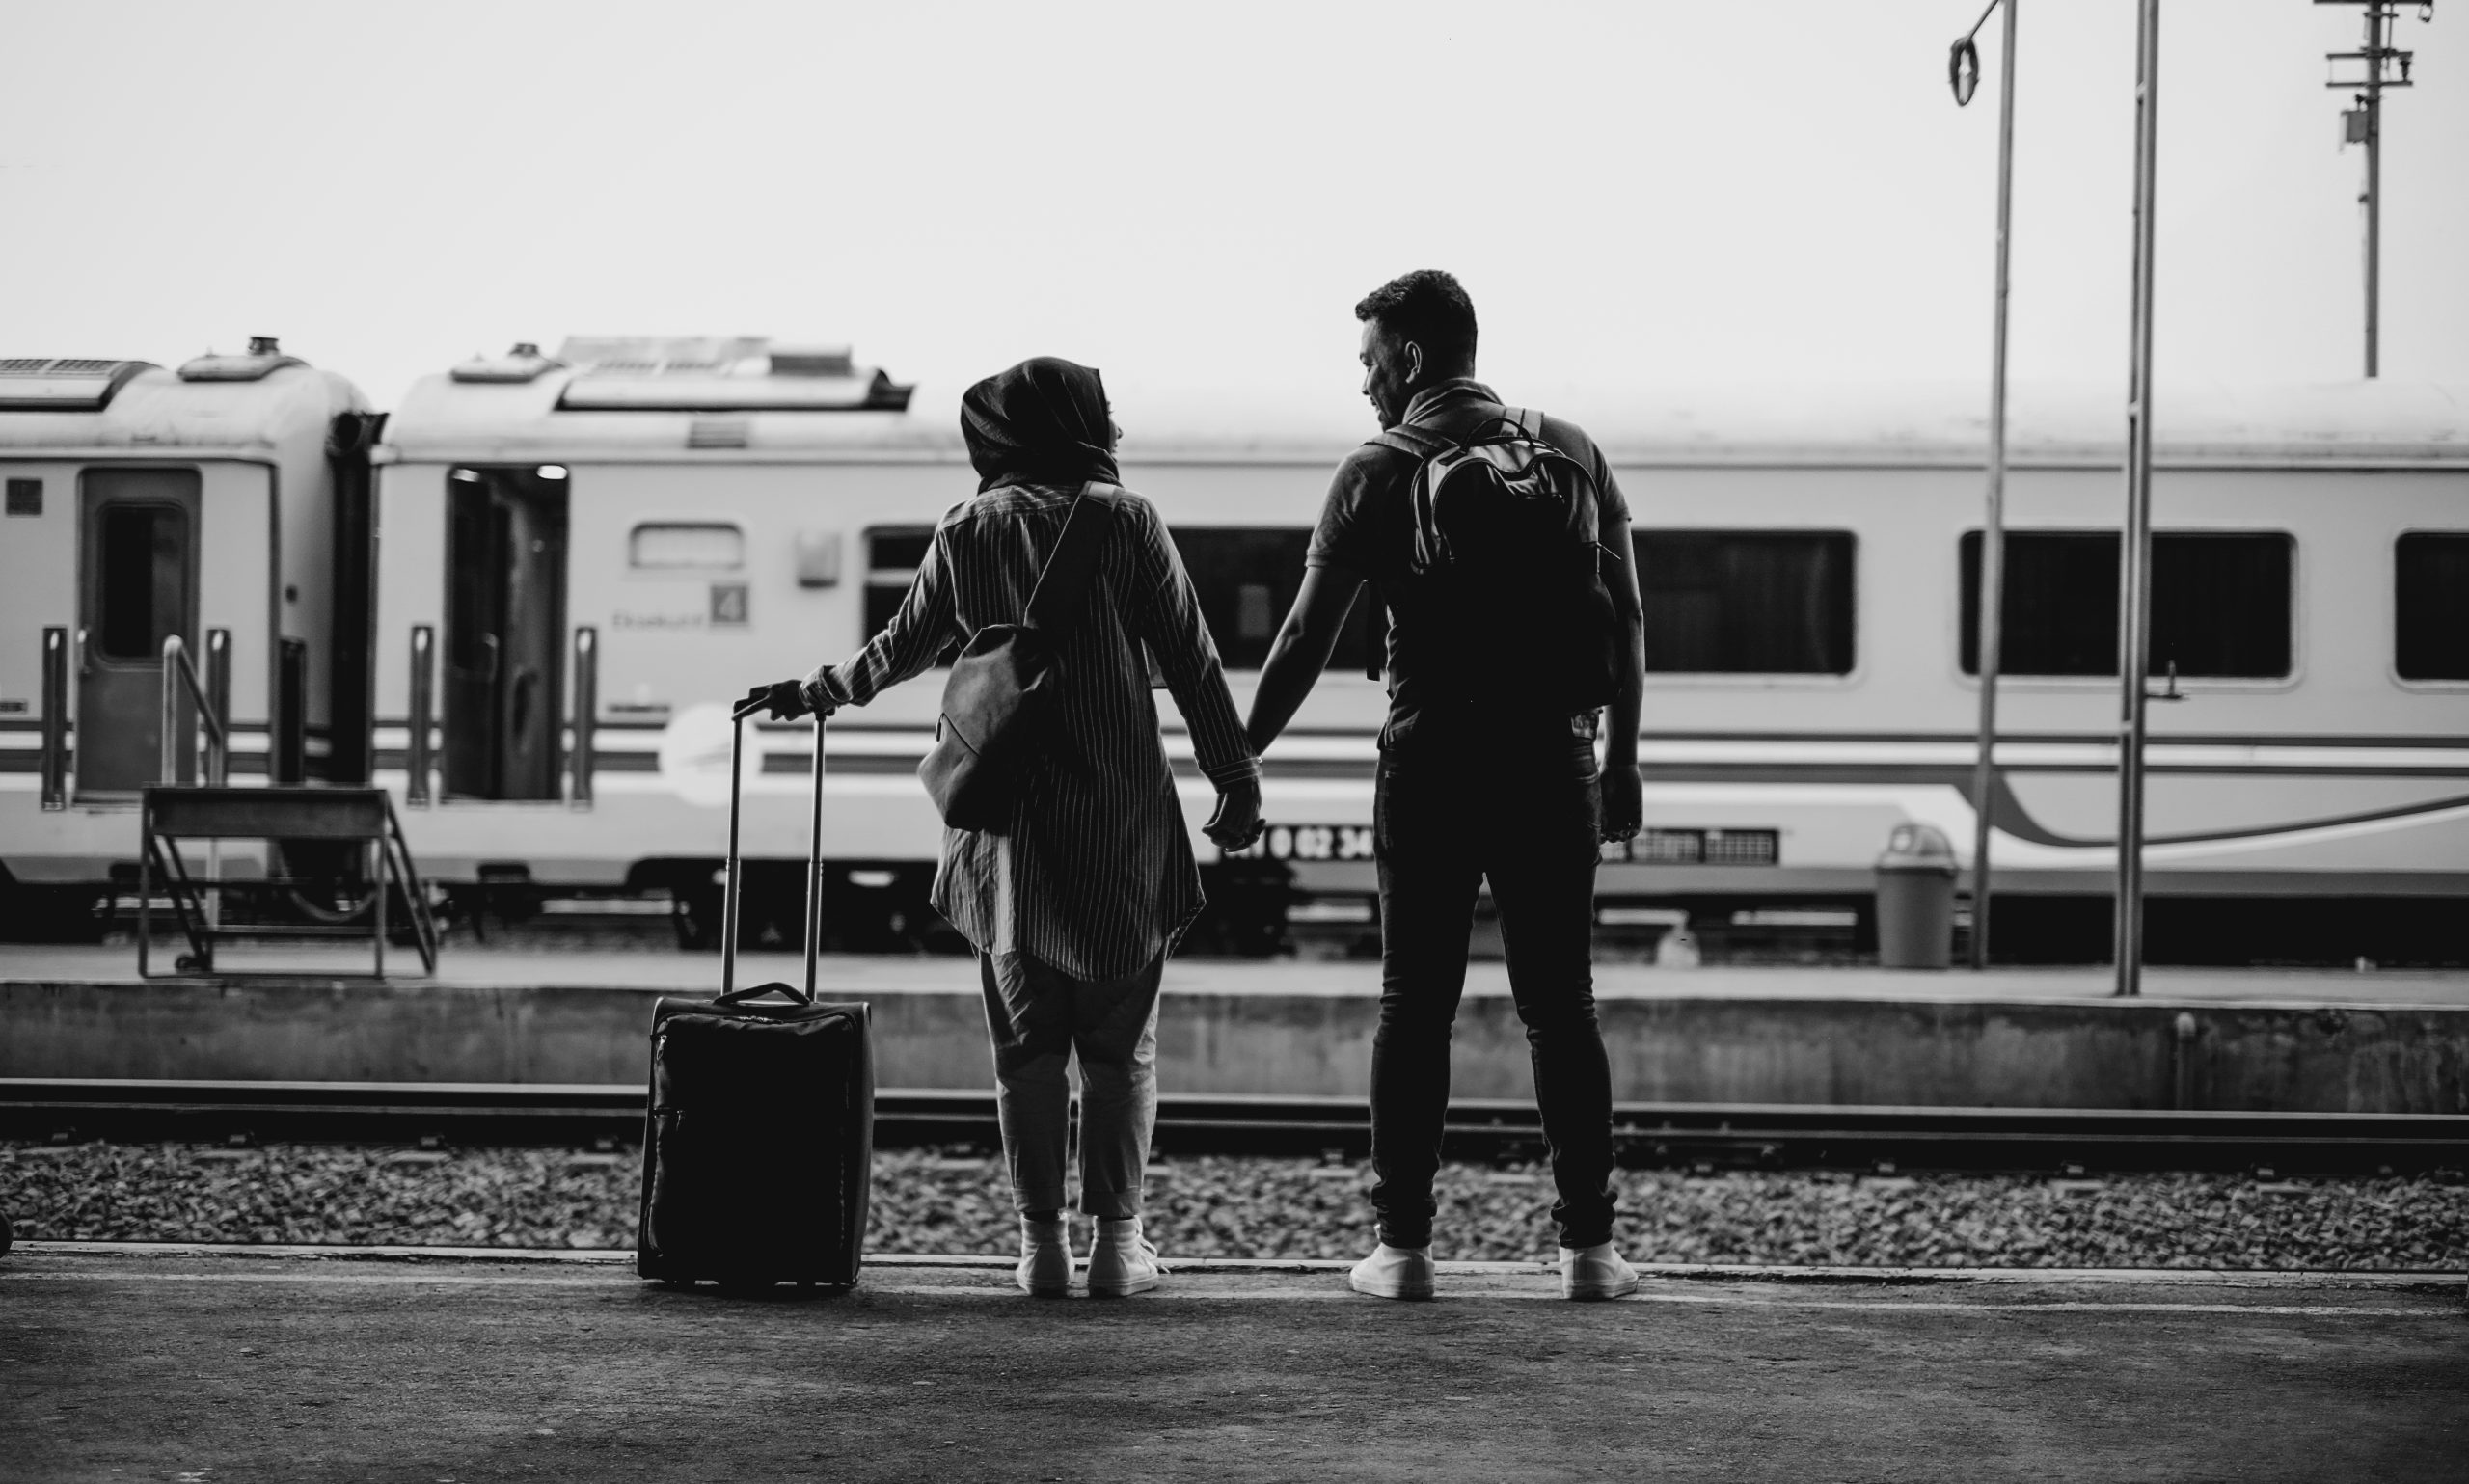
1624 809
1301 650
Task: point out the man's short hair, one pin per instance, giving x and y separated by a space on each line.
1430 308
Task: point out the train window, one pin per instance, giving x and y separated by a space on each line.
1746 602
2221 604
669 545
893 556
1247 578
144 573
2430 609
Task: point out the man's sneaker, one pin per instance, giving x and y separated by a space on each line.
1045 1257
1393 1273
1595 1273
1122 1261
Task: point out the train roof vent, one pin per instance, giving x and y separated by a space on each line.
523 363
264 358
64 384
812 361
721 373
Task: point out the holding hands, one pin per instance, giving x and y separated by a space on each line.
1237 822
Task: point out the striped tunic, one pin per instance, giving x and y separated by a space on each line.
1093 874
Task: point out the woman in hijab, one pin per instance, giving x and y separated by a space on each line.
1075 901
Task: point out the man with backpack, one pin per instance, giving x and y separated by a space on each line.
1498 541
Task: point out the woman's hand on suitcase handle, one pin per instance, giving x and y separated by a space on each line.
782 700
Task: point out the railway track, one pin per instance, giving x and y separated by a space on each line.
1705 1136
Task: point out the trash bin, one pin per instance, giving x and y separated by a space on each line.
1916 900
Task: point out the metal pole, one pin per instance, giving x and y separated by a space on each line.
416 752
586 722
55 718
2135 580
168 745
2377 27
218 754
814 861
291 744
733 881
1992 535
218 700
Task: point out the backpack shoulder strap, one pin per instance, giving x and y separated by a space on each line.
1529 422
1409 440
1064 579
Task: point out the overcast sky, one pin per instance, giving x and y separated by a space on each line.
1639 195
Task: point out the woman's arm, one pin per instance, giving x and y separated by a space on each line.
918 630
907 644
1169 621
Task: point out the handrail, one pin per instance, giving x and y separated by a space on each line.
55 718
180 671
586 716
416 755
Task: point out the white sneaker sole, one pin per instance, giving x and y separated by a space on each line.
1042 1290
1586 1293
1381 1290
1124 1289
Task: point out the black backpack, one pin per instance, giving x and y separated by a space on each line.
996 700
1507 562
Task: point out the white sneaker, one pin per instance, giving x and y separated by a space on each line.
1393 1273
1595 1273
1045 1257
1122 1262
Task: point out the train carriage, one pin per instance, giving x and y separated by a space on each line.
584 555
224 504
726 511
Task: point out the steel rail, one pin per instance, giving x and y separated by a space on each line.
1729 1136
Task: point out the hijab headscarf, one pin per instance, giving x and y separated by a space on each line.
1043 422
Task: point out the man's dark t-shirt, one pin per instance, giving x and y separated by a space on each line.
1367 530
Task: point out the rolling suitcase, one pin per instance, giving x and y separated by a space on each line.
759 1127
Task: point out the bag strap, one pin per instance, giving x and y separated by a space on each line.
1409 440
1529 422
1065 577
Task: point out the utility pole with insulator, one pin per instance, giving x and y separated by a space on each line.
2379 66
1963 74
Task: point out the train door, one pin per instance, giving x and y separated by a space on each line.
137 587
505 624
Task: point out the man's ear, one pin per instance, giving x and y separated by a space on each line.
1411 352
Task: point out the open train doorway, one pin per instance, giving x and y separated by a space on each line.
506 625
137 585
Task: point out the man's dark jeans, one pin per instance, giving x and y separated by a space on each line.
1523 813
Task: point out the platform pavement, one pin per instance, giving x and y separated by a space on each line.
481 967
130 1364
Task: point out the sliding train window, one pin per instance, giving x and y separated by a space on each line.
1746 602
686 545
893 556
2430 605
1247 578
2221 604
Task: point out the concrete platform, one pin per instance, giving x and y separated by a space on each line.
177 1363
2200 1039
501 968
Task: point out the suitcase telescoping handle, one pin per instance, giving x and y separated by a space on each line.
729 993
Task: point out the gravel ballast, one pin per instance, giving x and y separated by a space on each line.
1257 1208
